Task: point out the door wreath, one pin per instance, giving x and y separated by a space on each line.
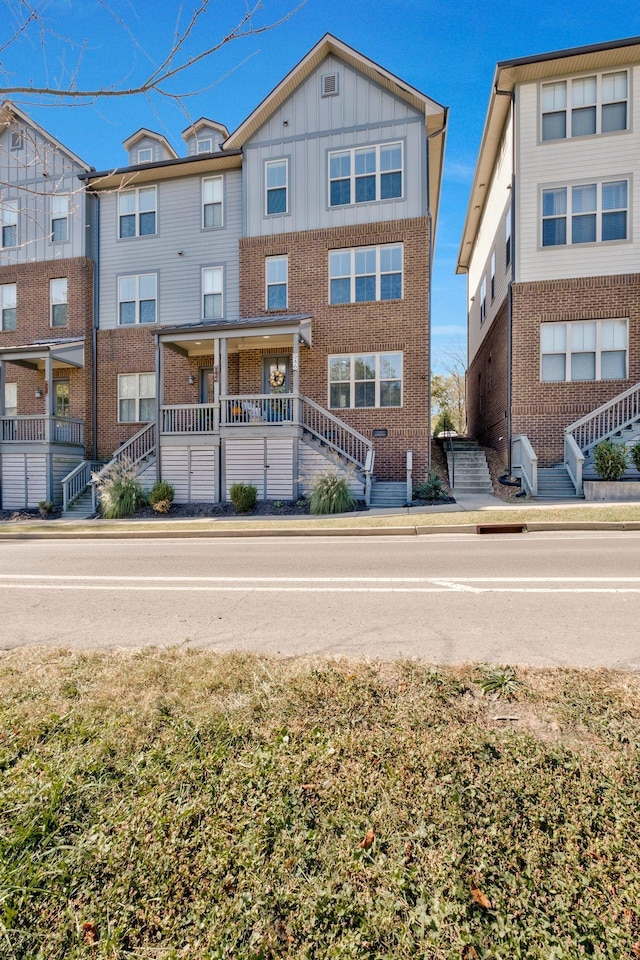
276 378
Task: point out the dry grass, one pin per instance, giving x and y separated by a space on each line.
182 804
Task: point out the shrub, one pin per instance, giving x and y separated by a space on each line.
243 497
635 455
119 492
431 488
161 496
330 493
444 423
610 460
46 507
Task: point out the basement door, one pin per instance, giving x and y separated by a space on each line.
24 480
191 471
267 463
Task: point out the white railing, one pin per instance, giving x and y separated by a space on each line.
189 418
333 432
573 461
606 420
76 482
524 459
42 429
259 408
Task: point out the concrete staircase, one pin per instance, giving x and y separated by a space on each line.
387 494
554 483
468 468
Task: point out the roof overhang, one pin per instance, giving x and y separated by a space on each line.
33 356
509 73
145 134
9 112
123 177
252 333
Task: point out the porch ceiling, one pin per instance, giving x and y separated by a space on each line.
33 356
254 333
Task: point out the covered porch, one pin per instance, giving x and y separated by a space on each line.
38 449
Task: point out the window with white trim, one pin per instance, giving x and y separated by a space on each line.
365 380
277 278
10 223
483 299
136 397
137 299
212 200
8 294
11 399
584 107
365 174
205 145
584 213
583 350
492 270
365 273
507 237
137 212
58 301
212 286
59 218
145 155
276 174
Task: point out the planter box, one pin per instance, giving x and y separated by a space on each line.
612 490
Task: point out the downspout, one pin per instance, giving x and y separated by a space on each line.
436 133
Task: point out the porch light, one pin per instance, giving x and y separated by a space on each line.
38 393
191 380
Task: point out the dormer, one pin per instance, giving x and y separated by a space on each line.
145 146
204 136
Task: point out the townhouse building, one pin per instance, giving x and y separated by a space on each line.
551 247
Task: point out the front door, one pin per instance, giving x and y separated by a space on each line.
206 385
275 375
61 398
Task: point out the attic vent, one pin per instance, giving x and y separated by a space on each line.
329 85
17 141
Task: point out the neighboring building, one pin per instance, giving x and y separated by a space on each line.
265 299
46 312
551 249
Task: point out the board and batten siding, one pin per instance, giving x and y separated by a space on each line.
307 126
612 156
491 236
179 219
31 175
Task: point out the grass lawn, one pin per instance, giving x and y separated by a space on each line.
183 804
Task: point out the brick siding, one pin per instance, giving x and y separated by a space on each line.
487 388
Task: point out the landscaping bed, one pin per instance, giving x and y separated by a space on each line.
188 806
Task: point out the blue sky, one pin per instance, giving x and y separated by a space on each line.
447 50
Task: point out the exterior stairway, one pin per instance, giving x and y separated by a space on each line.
81 508
554 483
468 468
387 494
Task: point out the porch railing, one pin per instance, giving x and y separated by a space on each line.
259 408
607 419
41 429
76 482
333 432
524 459
189 418
573 461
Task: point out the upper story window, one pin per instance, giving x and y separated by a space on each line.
277 186
11 399
585 106
483 299
145 155
59 218
492 270
507 237
584 213
583 350
212 201
137 298
137 212
10 223
8 306
58 301
212 302
365 174
365 273
365 380
205 145
276 269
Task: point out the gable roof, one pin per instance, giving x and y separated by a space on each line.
9 112
508 73
194 128
144 133
434 113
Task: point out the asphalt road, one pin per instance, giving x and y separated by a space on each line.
542 599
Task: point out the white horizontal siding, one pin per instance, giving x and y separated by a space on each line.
24 480
61 467
191 471
244 463
280 460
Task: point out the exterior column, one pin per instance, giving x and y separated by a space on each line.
216 385
159 401
48 376
3 378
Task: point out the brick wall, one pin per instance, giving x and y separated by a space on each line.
543 410
33 323
399 325
487 388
